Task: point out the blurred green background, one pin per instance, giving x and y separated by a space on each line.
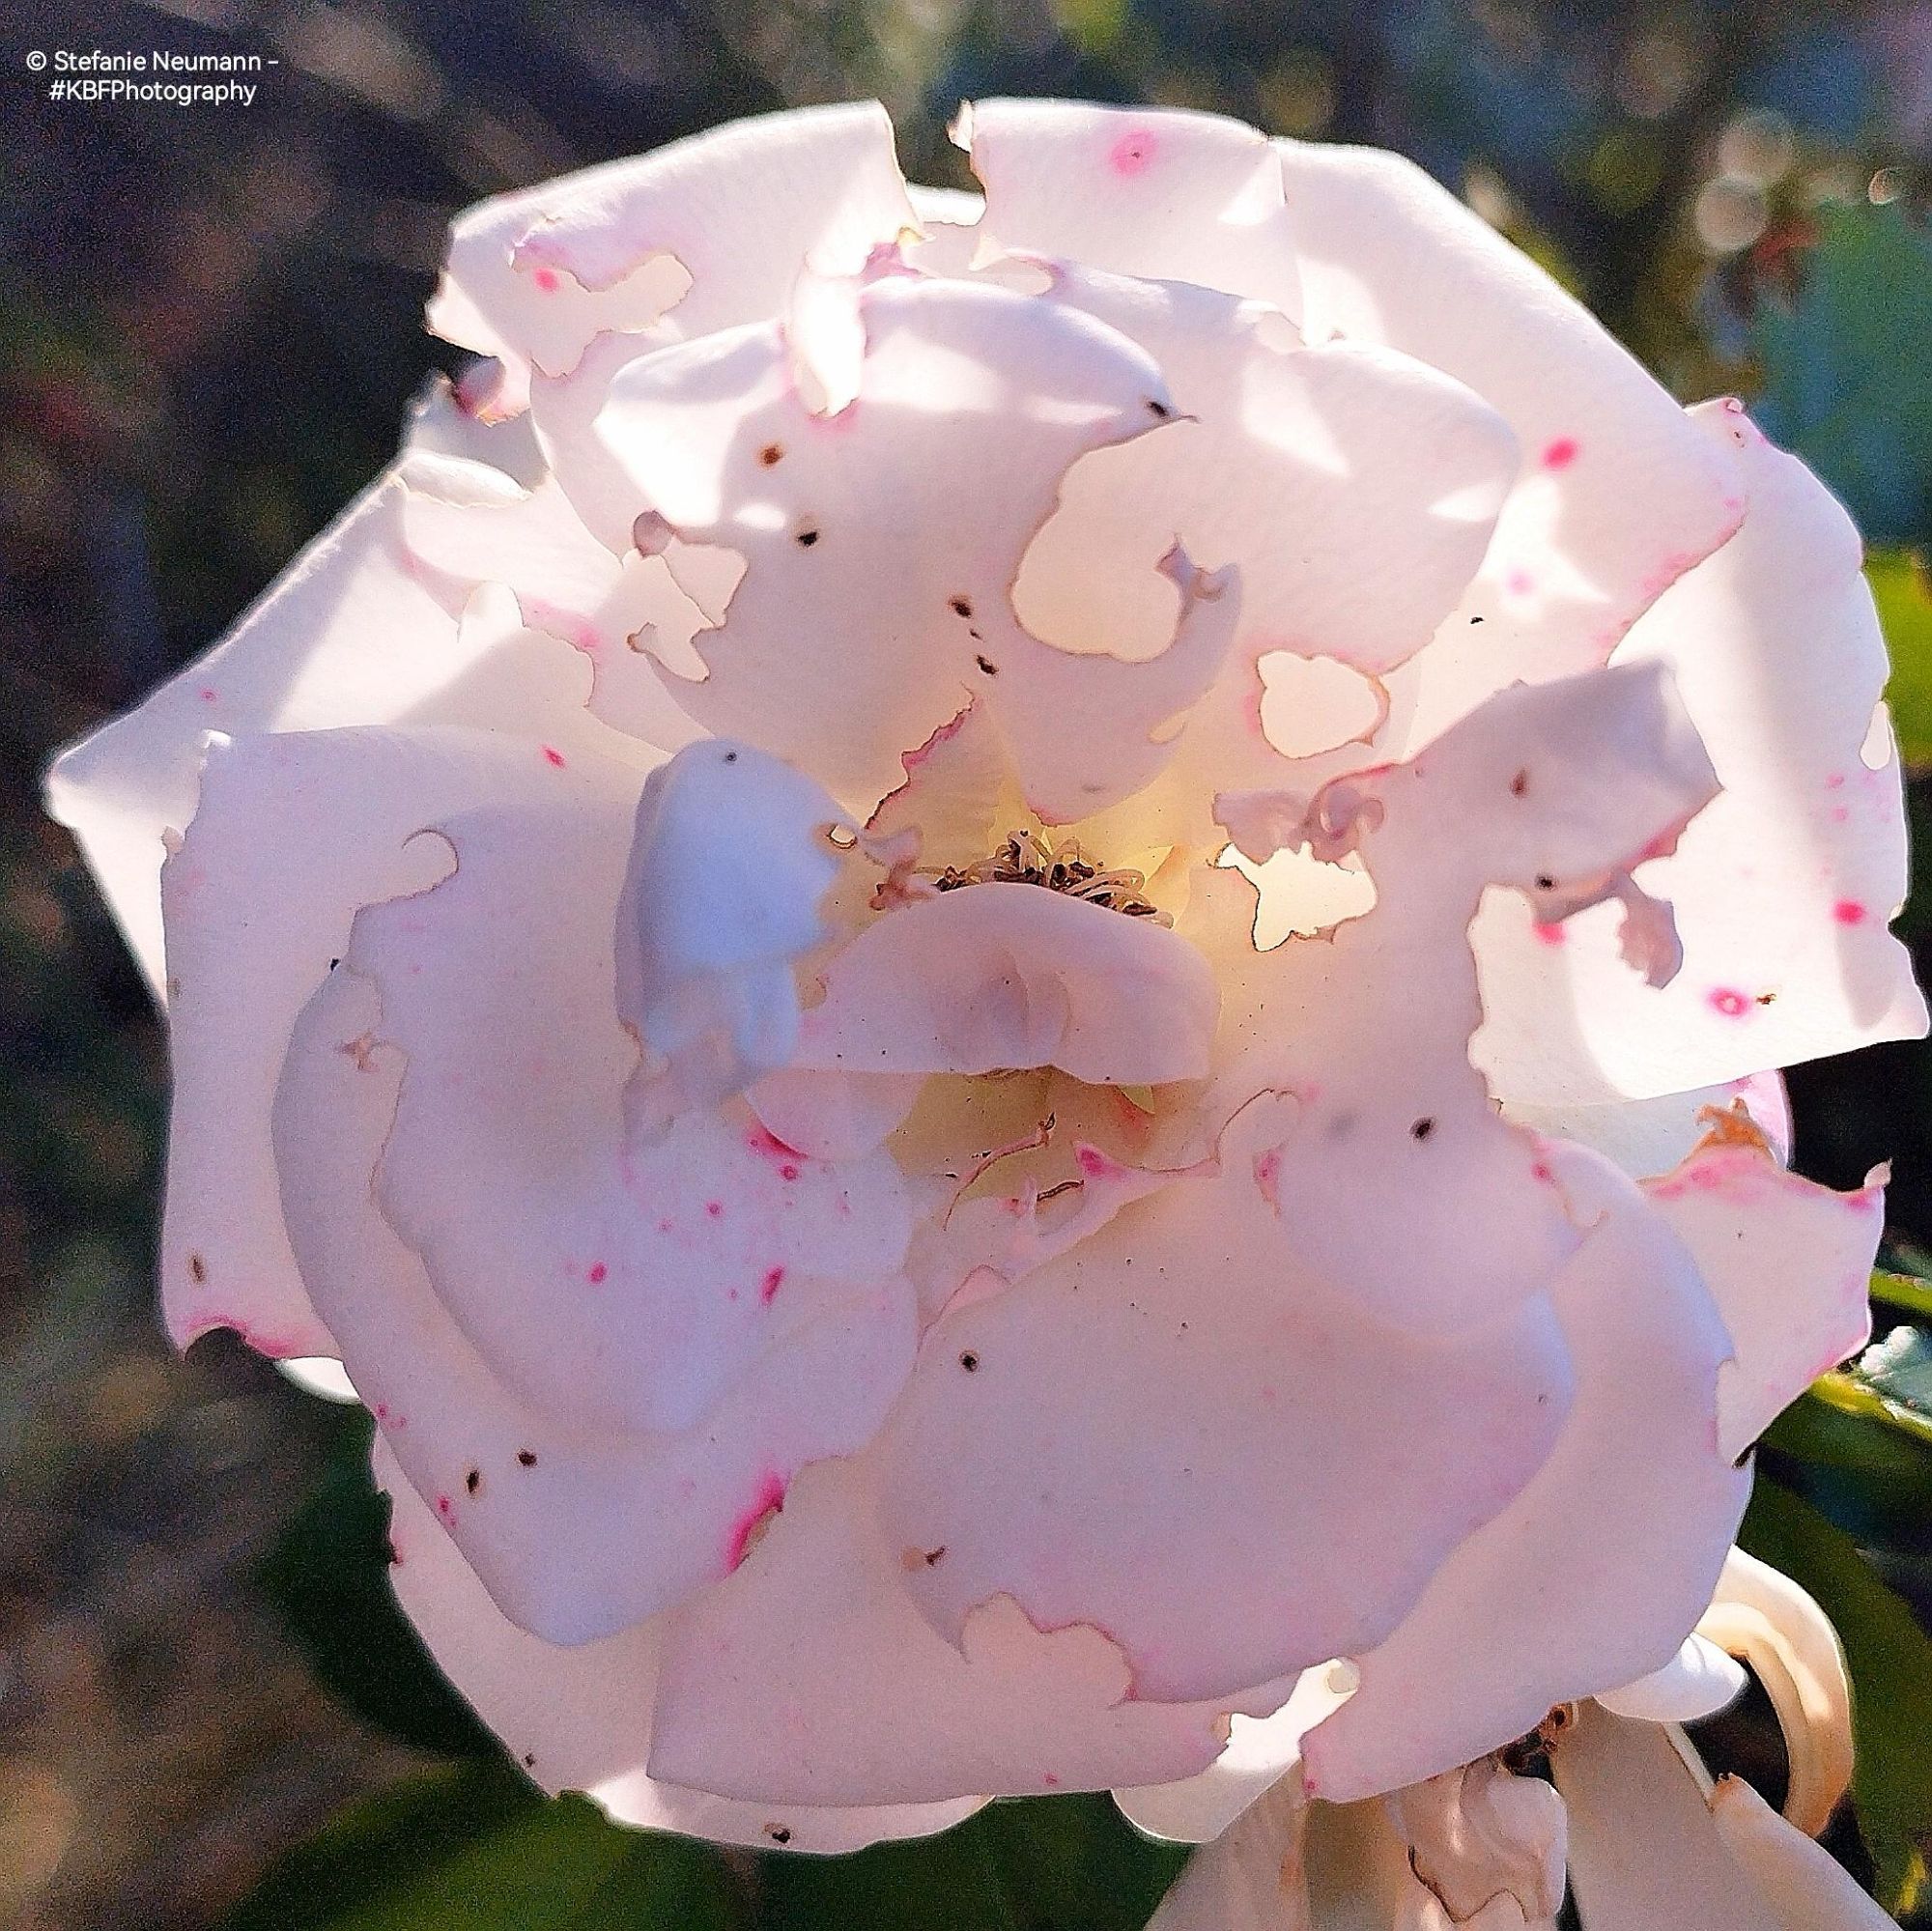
210 318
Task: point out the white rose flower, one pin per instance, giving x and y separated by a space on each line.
712 958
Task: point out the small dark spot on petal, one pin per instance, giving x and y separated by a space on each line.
987 665
806 537
963 606
777 1833
197 1269
1422 1128
473 1480
730 757
334 963
772 452
1475 620
529 1760
1519 784
932 1555
525 1455
970 1362
1765 998
1159 409
1544 882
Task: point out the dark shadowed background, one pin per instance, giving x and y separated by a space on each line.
210 322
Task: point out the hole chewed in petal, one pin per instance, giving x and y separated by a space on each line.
954 376
701 233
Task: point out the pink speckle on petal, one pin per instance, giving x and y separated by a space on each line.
1849 912
552 756
773 1279
714 1208
1840 813
1835 782
1560 454
1132 153
1729 1001
1549 934
1519 583
381 1411
769 1500
598 1270
575 629
1267 1176
1541 1171
545 280
761 1140
208 693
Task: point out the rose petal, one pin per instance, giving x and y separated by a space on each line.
865 571
1552 790
320 1374
700 234
1259 1753
1697 1682
443 422
293 832
948 219
579 1718
1644 1852
1008 975
525 1149
353 632
1160 192
1307 467
1789 1263
729 863
1808 1889
474 524
1596 1570
1621 492
1085 1441
577 1301
811 1672
1478 1833
1771 1624
1783 888
1647 1137
1249 1879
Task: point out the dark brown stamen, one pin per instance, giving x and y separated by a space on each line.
1026 859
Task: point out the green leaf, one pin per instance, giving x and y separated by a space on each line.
1059 1864
1842 362
473 1846
1891 1659
1849 1392
1904 596
1903 1290
1888 1466
328 1575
